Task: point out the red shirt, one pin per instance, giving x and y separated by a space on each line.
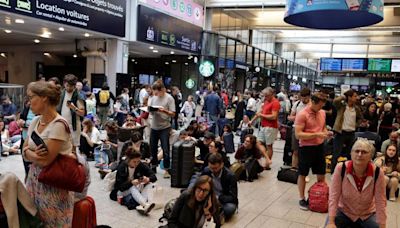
14 129
267 109
360 181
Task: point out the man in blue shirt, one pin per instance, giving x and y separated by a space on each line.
213 105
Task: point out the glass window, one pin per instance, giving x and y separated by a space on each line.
249 59
230 49
240 52
222 46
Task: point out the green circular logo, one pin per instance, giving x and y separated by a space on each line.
190 83
206 68
182 7
174 4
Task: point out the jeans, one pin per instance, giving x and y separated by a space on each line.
215 118
342 221
346 138
139 193
229 210
163 136
103 114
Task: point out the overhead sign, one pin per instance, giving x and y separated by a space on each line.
333 14
206 68
381 65
159 28
186 10
105 16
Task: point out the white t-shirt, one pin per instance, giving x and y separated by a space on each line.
54 130
251 104
349 119
66 113
142 94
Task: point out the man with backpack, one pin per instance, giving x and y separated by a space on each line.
103 103
311 131
72 107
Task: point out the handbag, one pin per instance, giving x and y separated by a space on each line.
64 172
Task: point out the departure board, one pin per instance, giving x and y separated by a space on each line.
331 64
353 65
381 65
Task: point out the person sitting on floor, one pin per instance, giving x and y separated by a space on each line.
134 178
216 147
195 206
390 165
248 154
225 185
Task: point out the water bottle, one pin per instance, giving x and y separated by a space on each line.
119 197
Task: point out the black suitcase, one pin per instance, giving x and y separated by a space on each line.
287 150
182 163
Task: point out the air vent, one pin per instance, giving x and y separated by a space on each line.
396 11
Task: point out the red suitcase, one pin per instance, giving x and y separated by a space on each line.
84 213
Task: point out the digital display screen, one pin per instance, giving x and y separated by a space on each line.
381 65
295 87
151 79
143 79
162 29
330 64
353 65
395 65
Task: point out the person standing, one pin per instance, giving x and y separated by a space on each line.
213 105
103 98
298 106
175 94
311 131
269 120
55 205
162 108
72 107
349 117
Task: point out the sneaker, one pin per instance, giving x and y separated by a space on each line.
167 175
393 199
307 179
144 210
303 205
5 154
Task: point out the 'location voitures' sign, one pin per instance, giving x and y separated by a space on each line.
162 29
105 16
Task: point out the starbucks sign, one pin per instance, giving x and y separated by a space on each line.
206 68
190 83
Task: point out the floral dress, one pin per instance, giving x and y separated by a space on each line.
55 206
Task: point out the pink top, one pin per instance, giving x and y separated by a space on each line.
312 122
344 195
14 129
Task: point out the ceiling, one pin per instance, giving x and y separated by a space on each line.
381 40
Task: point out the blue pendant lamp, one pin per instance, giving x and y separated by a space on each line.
333 14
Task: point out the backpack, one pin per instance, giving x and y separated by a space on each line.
167 210
318 197
237 168
104 95
376 175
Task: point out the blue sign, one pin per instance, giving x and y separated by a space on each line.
333 14
353 65
105 16
330 64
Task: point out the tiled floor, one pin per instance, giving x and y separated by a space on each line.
265 202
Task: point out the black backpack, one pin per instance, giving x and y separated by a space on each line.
376 175
167 210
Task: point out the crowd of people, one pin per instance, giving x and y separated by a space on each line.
132 135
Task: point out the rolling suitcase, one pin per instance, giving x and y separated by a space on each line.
182 163
84 213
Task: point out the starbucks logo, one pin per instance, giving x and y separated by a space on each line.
182 7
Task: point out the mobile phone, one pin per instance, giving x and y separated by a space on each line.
38 140
68 102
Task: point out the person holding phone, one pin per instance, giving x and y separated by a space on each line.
46 138
196 206
134 178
